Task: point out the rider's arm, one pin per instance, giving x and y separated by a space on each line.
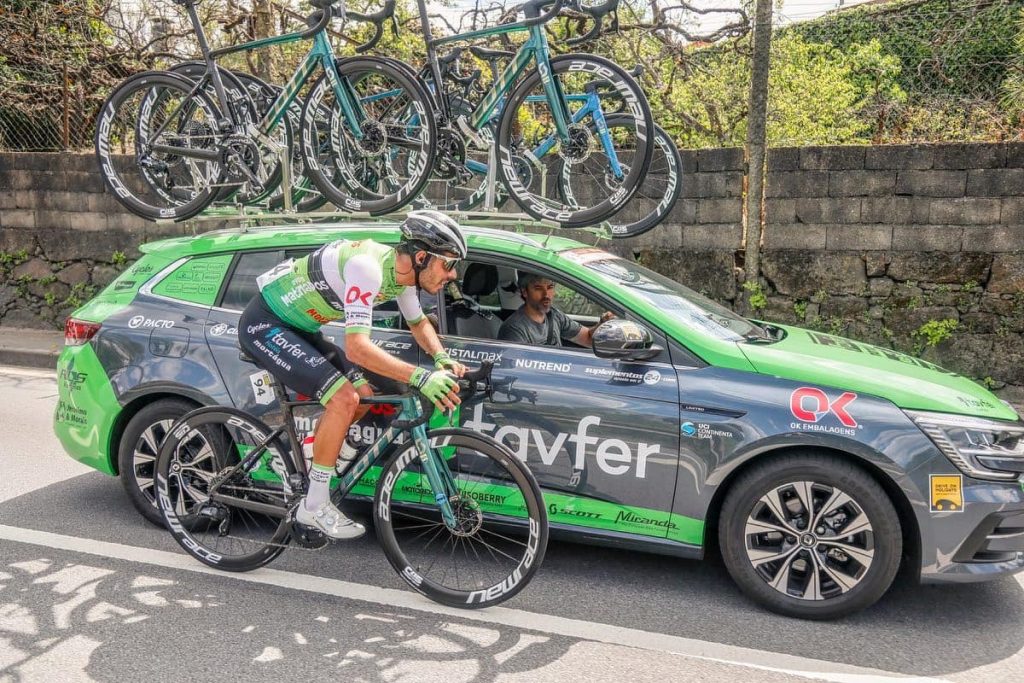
361 350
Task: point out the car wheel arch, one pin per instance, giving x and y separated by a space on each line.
132 408
908 519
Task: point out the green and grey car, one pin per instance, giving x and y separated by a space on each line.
817 464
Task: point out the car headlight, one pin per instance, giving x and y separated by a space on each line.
986 449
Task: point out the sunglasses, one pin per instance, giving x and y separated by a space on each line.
448 262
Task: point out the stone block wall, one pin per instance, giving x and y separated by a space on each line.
919 248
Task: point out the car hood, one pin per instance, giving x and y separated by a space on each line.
909 382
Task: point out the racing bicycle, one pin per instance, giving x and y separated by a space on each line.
459 517
528 128
167 149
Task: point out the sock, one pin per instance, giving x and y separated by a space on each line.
319 486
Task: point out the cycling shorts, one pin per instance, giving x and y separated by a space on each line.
305 362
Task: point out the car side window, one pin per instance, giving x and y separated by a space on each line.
242 285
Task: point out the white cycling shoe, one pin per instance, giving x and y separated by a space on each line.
330 520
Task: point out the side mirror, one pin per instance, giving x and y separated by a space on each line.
624 340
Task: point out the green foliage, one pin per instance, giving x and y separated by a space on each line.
988 382
13 258
118 258
757 297
800 308
934 332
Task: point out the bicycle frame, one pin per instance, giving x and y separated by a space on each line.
321 54
535 49
440 479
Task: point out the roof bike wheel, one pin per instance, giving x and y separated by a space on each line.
158 146
531 154
386 166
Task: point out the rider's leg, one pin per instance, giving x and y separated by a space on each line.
339 414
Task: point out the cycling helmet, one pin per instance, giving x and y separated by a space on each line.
432 231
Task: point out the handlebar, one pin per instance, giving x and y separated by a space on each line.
469 384
597 13
377 19
318 20
556 7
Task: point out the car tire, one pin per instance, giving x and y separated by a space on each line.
822 573
136 456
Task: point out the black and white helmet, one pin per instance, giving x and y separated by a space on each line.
433 231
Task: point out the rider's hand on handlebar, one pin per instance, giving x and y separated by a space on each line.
442 361
440 387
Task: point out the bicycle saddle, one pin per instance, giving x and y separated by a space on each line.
488 54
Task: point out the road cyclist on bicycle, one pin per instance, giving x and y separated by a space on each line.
342 280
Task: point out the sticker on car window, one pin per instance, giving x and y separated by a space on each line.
261 387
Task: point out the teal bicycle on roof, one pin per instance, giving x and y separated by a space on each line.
168 145
539 127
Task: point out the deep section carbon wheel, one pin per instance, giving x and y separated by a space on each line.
501 531
656 195
531 156
810 536
248 527
158 147
387 166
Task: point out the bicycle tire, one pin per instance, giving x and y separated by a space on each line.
662 183
117 130
512 501
359 170
233 87
513 173
198 525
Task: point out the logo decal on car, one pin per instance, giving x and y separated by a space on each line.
810 405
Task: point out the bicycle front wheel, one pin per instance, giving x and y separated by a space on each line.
656 195
612 164
246 528
384 167
501 530
157 144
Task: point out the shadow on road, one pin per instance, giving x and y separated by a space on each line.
914 629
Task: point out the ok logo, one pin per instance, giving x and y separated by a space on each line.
809 404
355 294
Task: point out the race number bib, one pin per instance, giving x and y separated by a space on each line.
261 387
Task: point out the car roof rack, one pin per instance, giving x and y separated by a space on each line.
234 219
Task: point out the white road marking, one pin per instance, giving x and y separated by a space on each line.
519 619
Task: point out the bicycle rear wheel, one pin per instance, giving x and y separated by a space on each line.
654 198
201 450
170 167
502 528
373 173
530 153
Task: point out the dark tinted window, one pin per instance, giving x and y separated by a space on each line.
242 286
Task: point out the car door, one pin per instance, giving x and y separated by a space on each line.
246 382
601 436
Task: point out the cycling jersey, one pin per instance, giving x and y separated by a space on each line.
340 280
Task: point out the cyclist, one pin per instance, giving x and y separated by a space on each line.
280 329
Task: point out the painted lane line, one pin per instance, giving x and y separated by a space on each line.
528 621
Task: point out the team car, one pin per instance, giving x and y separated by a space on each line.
815 464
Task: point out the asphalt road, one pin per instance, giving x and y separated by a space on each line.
90 591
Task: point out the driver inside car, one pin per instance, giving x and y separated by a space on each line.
538 322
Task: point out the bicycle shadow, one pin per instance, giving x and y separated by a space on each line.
60 620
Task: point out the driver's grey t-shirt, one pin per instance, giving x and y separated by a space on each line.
556 327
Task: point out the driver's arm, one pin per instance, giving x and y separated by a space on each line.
586 334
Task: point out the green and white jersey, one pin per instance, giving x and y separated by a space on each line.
340 280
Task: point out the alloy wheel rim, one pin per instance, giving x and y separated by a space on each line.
809 540
144 457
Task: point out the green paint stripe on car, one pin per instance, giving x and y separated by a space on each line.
86 408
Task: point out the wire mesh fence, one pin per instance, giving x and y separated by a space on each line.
879 72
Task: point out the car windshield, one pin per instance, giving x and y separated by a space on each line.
694 310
